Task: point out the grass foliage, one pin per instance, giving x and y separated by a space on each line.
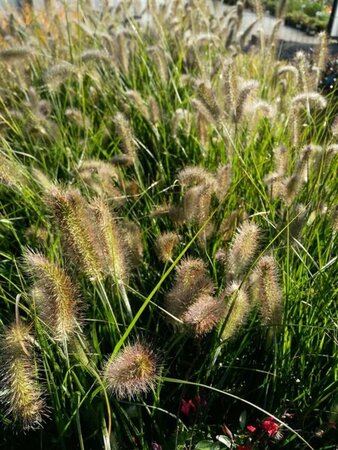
168 226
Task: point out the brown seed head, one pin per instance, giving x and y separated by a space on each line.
56 297
21 393
191 281
237 310
204 314
165 244
243 247
132 372
269 291
72 216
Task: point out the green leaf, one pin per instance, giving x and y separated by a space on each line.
224 440
205 445
242 419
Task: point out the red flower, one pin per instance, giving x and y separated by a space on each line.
186 407
251 428
244 447
191 405
270 426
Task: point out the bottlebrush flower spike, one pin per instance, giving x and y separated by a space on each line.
194 175
243 247
11 173
245 90
268 291
56 297
132 372
204 314
134 241
237 309
165 244
124 131
191 281
223 181
138 102
20 391
113 244
207 96
71 214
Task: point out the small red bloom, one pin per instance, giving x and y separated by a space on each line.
270 426
251 428
186 407
191 405
244 447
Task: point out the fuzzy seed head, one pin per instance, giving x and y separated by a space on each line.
11 174
134 241
102 177
192 175
334 127
281 159
95 56
15 54
276 185
58 74
76 116
294 183
191 281
237 307
154 110
269 291
20 391
207 96
132 372
138 102
72 216
246 89
55 295
203 111
204 314
313 98
112 240
288 70
196 203
125 134
223 181
243 247
165 244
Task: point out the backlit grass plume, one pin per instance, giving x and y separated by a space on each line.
124 132
294 183
79 235
192 175
165 244
191 281
237 309
243 247
132 372
55 295
204 314
268 291
112 242
15 54
207 96
20 392
103 178
60 73
11 174
308 101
